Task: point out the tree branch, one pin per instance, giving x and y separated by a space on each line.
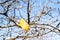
28 12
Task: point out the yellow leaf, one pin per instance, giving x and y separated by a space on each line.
24 25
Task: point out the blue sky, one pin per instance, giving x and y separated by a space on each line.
37 6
